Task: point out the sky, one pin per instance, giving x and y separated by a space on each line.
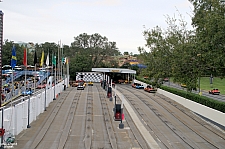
121 21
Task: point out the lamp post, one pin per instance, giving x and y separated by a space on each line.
199 90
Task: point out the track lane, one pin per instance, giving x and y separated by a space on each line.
174 123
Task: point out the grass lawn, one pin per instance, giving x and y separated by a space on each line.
217 83
206 86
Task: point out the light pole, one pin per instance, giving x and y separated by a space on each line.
199 90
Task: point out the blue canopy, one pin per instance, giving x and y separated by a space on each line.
140 65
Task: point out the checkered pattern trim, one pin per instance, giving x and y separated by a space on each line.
89 76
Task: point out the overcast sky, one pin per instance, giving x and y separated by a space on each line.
121 21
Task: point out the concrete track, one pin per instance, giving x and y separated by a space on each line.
83 119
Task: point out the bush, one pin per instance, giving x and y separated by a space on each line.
214 104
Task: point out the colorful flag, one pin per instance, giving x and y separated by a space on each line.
53 60
42 58
25 57
13 60
47 60
35 58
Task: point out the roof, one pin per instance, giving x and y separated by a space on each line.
114 70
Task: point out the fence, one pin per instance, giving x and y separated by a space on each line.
16 118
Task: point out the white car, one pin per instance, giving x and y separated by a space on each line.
80 86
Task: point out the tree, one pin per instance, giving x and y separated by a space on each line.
209 22
96 46
7 53
125 53
172 53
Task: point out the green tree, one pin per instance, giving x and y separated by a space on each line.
7 53
209 22
96 46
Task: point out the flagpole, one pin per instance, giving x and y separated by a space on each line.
52 65
25 69
47 64
12 87
13 64
67 70
42 71
35 67
35 77
61 63
58 64
54 76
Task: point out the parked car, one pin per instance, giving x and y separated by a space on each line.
183 85
90 83
150 89
80 86
134 85
139 86
166 79
75 84
214 91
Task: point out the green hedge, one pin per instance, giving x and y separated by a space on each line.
214 104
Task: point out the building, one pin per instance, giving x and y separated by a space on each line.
30 46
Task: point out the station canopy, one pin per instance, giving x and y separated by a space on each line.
114 70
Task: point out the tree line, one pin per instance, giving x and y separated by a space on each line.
187 54
84 53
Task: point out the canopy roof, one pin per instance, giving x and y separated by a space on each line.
140 65
114 70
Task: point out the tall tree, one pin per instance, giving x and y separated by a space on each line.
95 46
209 22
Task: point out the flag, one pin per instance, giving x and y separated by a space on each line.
13 60
47 60
35 58
42 58
25 57
53 60
64 60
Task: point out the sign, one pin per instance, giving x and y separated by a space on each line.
115 70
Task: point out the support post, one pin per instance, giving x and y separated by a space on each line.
54 82
2 139
45 98
28 118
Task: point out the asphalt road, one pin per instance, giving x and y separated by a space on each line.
204 93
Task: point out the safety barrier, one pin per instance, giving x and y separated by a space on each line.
16 118
207 112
